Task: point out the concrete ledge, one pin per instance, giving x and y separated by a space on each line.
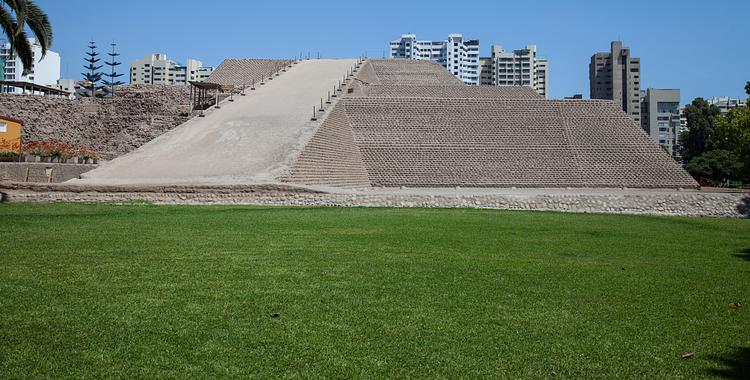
41 172
687 203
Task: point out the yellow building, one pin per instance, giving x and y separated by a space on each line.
10 134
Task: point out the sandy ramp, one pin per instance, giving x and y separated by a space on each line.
251 140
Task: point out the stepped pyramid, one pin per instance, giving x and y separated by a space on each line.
411 123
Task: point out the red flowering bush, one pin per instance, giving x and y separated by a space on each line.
57 149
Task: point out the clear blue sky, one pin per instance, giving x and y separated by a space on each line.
701 47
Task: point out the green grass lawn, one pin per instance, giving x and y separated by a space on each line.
162 291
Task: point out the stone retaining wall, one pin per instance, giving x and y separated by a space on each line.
41 172
677 203
110 126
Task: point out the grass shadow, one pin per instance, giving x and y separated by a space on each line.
743 254
744 207
736 364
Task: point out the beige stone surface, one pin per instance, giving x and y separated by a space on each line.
251 140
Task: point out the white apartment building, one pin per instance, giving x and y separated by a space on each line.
458 55
157 69
516 68
725 103
66 84
45 72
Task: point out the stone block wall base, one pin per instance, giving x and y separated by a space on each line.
734 205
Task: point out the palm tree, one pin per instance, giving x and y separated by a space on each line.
15 16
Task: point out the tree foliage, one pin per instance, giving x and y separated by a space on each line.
700 123
92 76
718 164
717 147
732 133
15 17
111 82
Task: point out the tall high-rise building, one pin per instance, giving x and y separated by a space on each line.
45 72
458 55
660 117
516 68
617 76
157 69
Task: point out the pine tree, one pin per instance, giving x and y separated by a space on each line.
93 76
112 75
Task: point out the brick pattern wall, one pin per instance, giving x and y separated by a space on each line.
506 142
410 72
411 123
331 157
242 72
525 143
451 91
366 73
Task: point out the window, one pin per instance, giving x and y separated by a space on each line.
667 107
3 127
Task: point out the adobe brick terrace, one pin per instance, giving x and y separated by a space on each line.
245 72
411 123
